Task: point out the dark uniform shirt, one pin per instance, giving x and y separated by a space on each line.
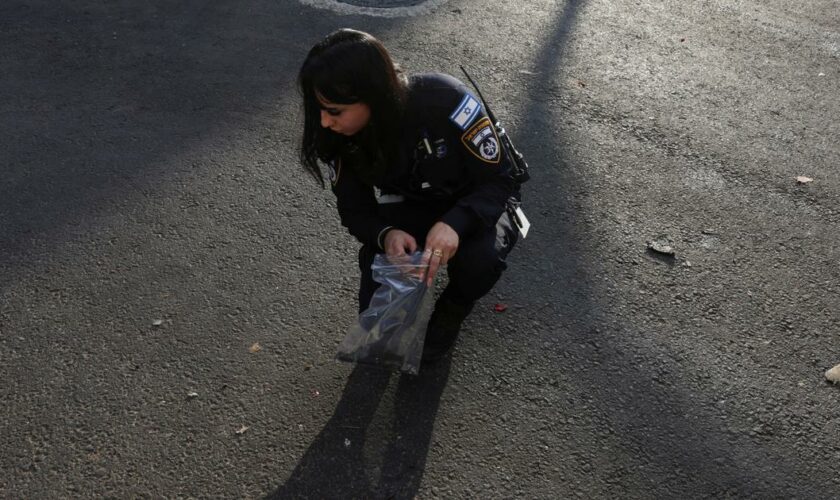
448 167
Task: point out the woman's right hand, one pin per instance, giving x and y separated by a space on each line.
399 243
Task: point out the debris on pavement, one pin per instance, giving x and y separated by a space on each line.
346 443
662 245
803 180
192 395
242 430
157 322
833 375
255 347
500 308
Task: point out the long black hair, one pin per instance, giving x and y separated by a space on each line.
347 67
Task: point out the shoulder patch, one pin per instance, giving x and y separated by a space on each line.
481 140
466 111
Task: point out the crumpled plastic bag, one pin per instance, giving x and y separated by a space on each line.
391 331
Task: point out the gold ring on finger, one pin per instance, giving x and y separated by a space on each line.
437 252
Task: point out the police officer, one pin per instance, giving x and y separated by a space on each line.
414 163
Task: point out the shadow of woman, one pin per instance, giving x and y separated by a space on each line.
376 442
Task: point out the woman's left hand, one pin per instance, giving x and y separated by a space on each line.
441 244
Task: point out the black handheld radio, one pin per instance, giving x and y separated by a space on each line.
520 166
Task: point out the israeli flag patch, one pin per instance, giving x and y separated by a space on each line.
466 112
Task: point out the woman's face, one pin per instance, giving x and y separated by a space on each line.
344 119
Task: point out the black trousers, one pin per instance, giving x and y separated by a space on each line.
476 267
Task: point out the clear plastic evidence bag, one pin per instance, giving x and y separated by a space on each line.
391 332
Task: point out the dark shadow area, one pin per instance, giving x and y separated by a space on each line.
103 102
688 444
376 442
653 255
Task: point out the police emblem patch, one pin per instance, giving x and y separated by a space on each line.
489 148
482 141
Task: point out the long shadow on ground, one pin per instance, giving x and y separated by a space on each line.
376 442
676 445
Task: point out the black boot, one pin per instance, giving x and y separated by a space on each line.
443 328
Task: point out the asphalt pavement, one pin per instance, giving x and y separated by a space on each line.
173 287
